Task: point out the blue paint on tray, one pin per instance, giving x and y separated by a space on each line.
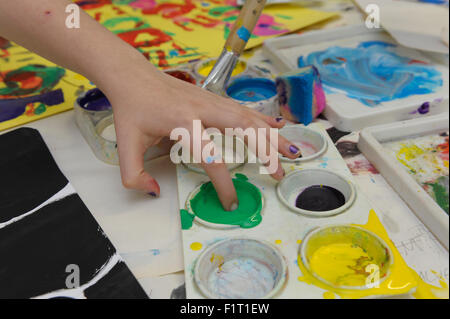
252 90
373 72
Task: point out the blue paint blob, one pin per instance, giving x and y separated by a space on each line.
373 72
243 34
252 90
94 100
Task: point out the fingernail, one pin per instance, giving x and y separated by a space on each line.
279 119
234 206
293 149
153 194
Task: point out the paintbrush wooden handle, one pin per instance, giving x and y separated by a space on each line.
244 25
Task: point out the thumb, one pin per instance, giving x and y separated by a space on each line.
131 148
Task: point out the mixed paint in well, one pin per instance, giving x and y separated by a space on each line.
373 72
252 90
426 159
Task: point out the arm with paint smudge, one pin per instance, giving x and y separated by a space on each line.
147 103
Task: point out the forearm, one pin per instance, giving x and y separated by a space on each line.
91 50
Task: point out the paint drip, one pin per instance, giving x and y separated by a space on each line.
252 90
320 198
207 206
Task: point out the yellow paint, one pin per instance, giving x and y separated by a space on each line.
218 259
328 295
299 241
196 246
341 264
401 280
205 68
278 241
427 291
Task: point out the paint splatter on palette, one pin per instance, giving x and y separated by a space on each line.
426 159
168 33
279 252
368 78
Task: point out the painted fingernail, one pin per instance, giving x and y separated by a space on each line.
279 119
234 206
153 194
294 149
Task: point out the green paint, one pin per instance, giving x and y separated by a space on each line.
284 16
218 11
186 219
50 77
440 192
206 204
40 109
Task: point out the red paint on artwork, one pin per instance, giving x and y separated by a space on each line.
159 37
171 10
162 62
443 148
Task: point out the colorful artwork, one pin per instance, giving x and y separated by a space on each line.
426 159
373 72
168 33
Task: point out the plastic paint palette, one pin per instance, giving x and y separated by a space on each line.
371 143
267 256
351 114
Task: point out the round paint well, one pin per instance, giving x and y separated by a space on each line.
94 100
338 256
296 182
233 150
106 129
240 268
205 67
205 205
182 75
311 143
252 90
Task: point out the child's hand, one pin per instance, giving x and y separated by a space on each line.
149 104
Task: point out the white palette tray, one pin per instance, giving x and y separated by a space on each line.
370 143
345 113
282 228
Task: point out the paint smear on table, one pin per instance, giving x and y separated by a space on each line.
401 279
426 159
373 72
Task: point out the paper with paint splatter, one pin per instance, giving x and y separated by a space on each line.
168 33
426 159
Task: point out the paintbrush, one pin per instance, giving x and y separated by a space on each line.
235 44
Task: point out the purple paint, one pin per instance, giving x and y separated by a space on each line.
12 108
424 108
94 100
